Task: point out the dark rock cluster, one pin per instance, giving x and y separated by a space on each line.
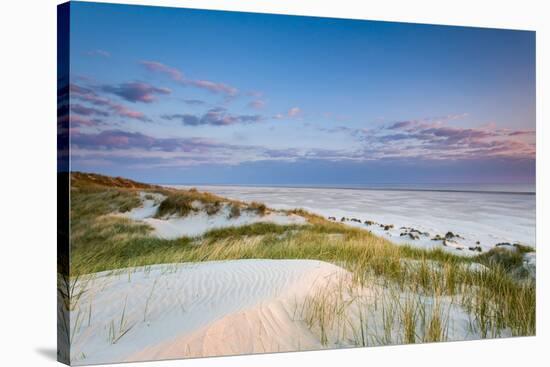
413 233
449 239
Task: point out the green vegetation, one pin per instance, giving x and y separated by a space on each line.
259 208
510 260
182 202
89 180
119 328
492 294
235 211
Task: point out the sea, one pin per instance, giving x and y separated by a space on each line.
481 214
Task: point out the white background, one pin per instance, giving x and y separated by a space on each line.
28 181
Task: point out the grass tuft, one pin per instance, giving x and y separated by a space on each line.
259 208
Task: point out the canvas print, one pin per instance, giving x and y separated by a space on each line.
235 183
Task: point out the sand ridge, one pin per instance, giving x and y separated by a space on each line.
196 224
196 309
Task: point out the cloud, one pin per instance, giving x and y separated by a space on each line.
126 112
294 112
194 102
441 147
521 133
112 146
434 138
72 122
158 67
186 119
401 125
118 139
425 122
79 121
178 76
257 104
215 87
136 91
215 116
98 52
87 111
90 96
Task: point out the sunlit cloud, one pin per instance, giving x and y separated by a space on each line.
178 76
257 104
294 112
436 139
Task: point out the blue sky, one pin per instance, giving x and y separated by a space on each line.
178 95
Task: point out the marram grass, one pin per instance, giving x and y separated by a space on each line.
495 298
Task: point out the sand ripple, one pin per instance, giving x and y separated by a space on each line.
202 309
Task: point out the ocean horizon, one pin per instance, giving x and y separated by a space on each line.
485 188
488 214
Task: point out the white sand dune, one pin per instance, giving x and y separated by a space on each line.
239 307
197 223
232 307
202 309
148 208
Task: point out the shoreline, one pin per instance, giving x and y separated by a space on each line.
331 187
264 287
484 220
198 223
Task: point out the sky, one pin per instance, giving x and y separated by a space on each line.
172 95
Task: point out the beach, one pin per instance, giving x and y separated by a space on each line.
190 310
487 217
163 272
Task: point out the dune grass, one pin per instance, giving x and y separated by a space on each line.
497 301
183 202
422 306
259 208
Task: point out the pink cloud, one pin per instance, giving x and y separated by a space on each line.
257 104
126 112
433 138
158 67
178 76
294 112
214 87
90 96
521 132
